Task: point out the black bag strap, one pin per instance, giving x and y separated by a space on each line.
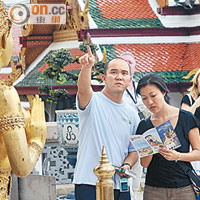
190 172
140 114
134 100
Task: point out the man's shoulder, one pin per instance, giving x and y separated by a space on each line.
98 94
130 107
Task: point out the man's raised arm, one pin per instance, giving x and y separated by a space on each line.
84 79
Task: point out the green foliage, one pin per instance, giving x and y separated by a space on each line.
56 61
53 95
98 70
93 47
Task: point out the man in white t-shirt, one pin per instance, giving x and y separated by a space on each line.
104 120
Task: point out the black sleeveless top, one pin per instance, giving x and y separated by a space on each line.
164 173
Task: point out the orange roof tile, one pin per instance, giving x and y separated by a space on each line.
127 9
163 57
43 68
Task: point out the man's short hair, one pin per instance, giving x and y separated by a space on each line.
107 64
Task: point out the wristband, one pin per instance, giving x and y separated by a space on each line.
127 164
86 69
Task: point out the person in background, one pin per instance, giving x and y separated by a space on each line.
191 102
165 179
132 99
104 120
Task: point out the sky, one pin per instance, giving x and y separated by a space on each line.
10 1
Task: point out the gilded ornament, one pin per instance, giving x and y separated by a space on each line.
5 184
23 133
11 122
104 171
191 73
5 23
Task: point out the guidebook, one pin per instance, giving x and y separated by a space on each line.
149 142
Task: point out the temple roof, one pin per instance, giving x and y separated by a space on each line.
123 14
121 25
172 61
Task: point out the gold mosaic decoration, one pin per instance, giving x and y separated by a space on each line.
5 23
7 123
5 184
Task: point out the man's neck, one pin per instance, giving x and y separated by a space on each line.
115 97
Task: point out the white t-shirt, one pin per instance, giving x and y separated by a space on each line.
103 122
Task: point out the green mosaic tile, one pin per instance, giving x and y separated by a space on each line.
110 51
168 77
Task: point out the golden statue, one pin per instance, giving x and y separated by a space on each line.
22 133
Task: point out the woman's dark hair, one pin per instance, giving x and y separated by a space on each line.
153 79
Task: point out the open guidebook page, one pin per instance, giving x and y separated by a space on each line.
149 142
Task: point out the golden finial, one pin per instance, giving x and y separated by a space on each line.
5 23
85 19
104 171
18 69
104 55
194 71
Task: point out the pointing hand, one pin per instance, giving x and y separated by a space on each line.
88 60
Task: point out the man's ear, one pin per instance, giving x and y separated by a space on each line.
103 78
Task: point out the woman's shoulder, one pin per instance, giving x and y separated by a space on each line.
185 99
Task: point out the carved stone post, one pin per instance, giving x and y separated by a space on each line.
104 171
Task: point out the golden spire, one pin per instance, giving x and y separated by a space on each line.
104 171
85 23
5 23
104 55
